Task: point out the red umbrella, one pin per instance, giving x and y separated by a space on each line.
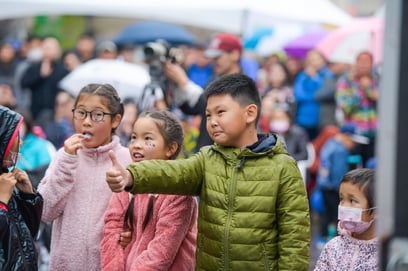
361 34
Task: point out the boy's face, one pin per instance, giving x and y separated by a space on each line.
228 122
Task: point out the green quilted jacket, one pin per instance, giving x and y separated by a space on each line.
253 208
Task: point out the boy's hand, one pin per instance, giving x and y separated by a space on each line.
7 183
117 177
125 238
23 181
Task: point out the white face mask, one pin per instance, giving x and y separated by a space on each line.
351 219
279 126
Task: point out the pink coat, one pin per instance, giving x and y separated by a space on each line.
76 197
167 243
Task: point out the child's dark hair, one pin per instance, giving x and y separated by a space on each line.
108 92
171 129
241 88
364 178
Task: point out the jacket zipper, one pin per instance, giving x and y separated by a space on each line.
229 217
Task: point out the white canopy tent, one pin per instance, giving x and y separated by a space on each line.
237 16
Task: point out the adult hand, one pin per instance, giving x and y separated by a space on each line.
176 73
7 183
117 177
23 181
365 82
46 68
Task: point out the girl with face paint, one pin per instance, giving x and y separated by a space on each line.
151 231
356 247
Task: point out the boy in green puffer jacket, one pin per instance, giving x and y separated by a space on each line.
254 211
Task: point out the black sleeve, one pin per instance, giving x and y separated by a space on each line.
197 109
31 76
30 207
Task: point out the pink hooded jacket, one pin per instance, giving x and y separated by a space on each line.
76 197
167 243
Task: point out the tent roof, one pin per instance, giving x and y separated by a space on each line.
225 15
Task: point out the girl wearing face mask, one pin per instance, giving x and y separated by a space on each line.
20 204
295 137
356 246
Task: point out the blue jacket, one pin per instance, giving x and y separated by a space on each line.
34 153
333 164
304 89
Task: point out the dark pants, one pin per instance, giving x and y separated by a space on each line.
366 151
312 131
331 202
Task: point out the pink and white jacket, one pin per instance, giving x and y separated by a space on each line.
76 196
167 243
345 253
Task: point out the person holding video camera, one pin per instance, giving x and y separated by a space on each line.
225 50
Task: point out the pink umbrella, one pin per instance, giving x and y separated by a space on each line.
361 34
299 46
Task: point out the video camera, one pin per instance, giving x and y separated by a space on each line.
162 51
157 53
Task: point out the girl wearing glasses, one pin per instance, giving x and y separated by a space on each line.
20 204
75 193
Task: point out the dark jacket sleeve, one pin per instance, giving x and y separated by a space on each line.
31 76
30 207
197 109
4 222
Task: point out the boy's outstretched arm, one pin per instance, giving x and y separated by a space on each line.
117 177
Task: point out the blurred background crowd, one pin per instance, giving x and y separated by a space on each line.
319 84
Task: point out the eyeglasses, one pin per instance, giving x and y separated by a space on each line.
96 115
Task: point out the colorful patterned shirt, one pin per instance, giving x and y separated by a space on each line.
358 104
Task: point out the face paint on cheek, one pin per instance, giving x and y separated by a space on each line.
149 145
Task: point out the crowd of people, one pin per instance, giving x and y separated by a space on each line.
207 176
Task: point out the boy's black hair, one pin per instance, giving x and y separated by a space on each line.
364 178
241 88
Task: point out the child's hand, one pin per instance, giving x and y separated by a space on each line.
117 177
73 143
125 238
7 183
23 181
